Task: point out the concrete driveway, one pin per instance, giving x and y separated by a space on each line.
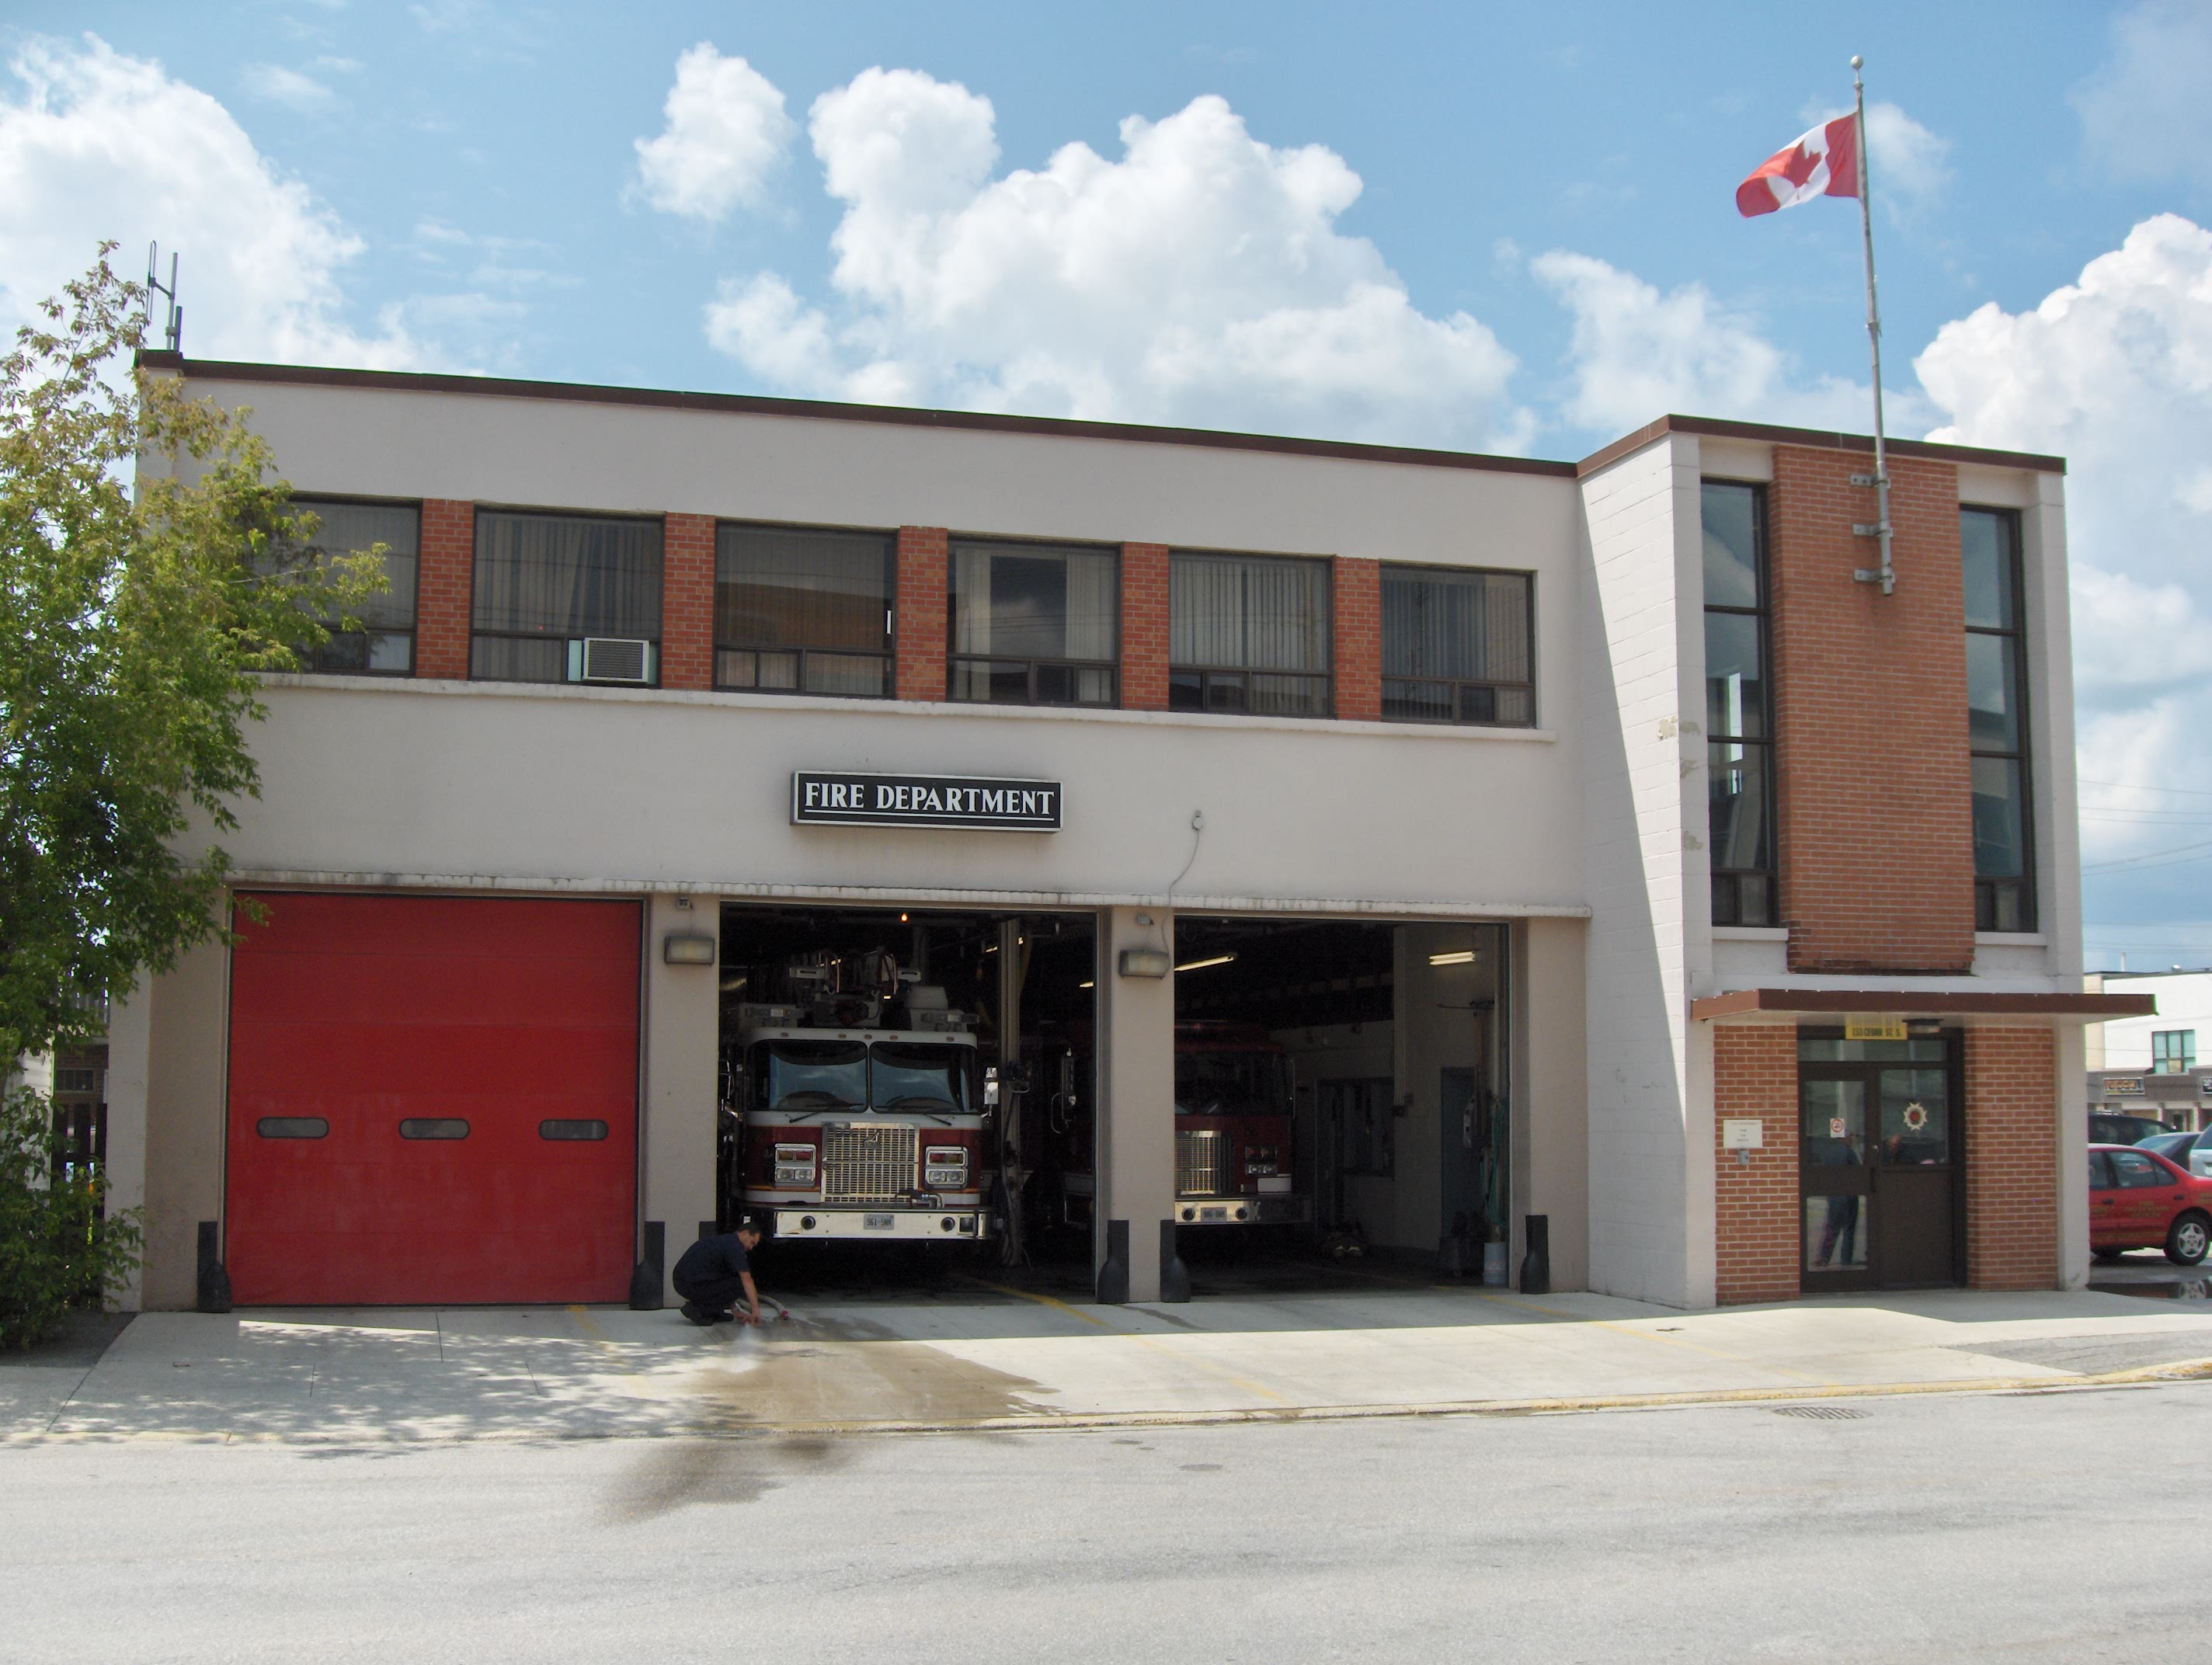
980 1356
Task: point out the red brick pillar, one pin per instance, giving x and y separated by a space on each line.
921 637
687 602
1758 1213
2012 1124
1359 630
1874 794
1144 627
446 575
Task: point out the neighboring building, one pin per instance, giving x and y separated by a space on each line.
2151 1066
1597 845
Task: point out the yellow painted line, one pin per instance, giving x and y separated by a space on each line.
2152 1376
1043 1301
1142 1340
605 1343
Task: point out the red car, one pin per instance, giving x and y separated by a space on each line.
2139 1201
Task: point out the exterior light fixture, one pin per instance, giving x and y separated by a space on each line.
1086 984
1458 957
688 948
1201 965
1146 962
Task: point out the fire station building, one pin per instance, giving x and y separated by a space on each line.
1575 841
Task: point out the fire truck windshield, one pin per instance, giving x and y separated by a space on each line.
812 1075
907 1075
1232 1083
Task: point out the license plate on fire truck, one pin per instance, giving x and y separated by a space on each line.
879 1221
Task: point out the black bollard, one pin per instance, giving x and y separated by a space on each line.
1536 1264
1174 1276
1114 1273
214 1282
646 1278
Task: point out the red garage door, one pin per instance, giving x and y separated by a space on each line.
432 1100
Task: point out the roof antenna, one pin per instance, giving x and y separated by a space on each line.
172 336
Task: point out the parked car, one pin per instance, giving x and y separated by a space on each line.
2138 1199
2110 1127
2190 1152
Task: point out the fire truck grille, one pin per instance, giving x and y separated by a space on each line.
868 1164
1202 1164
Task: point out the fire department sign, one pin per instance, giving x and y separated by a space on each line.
840 800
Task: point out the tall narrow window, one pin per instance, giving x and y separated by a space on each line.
1248 633
1996 721
546 584
1034 623
385 643
1739 727
800 609
1455 647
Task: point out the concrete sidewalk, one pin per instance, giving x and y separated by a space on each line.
995 1357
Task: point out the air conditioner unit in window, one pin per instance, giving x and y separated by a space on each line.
610 658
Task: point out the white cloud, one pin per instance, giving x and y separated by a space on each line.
1198 278
289 88
727 130
2114 372
1637 354
2145 114
99 145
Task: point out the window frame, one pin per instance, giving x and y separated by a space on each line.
657 522
955 660
311 658
1210 676
888 654
2174 1062
1770 876
2026 885
1459 686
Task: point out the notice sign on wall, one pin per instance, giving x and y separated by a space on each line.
843 799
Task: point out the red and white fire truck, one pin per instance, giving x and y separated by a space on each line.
1234 1163
853 1108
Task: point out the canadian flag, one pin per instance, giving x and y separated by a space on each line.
1823 163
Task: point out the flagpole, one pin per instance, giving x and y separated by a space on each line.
1886 574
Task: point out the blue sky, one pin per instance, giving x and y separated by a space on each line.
1485 226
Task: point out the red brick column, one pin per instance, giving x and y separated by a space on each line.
687 602
446 576
1874 789
2011 1144
1144 627
1358 587
921 637
1758 1214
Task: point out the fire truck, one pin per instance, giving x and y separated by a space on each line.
1234 1166
852 1107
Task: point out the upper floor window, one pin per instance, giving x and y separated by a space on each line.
1455 647
1034 623
2172 1051
547 583
1996 721
803 610
1248 633
385 643
1739 724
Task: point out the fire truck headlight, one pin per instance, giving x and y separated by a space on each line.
945 1166
795 1164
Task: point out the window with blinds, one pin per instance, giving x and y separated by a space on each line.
384 643
1248 633
1034 623
1455 647
543 580
1739 727
803 610
1996 721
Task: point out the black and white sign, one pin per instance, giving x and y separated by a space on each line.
840 800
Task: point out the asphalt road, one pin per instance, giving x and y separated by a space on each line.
2043 1527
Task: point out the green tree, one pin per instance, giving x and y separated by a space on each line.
151 569
59 1247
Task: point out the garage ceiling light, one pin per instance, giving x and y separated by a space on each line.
1200 965
1457 956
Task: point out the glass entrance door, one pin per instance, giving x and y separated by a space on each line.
1878 1162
